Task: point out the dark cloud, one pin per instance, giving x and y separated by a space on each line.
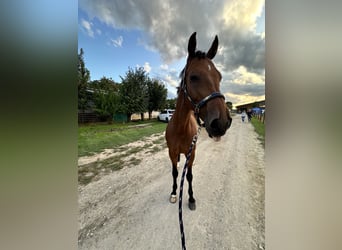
169 23
247 50
250 89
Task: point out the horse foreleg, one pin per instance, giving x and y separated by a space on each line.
192 201
173 196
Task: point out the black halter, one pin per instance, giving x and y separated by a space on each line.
200 104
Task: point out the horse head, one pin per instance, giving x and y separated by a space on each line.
201 83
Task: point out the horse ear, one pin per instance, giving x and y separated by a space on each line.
192 45
213 49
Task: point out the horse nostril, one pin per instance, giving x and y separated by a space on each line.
214 124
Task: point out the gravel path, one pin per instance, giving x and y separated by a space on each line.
129 209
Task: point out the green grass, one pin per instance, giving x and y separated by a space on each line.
159 141
110 164
259 129
135 161
95 138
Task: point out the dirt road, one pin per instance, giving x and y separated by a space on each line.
129 209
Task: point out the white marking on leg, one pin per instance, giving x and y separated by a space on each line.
173 198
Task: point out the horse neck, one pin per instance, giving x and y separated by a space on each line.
184 110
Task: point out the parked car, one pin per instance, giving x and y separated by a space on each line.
165 115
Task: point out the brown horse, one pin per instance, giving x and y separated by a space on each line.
199 98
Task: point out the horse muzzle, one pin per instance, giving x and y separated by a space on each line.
217 128
217 125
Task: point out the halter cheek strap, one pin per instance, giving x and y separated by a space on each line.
200 104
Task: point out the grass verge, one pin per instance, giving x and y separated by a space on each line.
259 129
95 138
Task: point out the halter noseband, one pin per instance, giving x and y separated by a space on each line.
200 104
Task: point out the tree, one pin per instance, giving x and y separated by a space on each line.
156 96
133 92
229 105
171 103
83 81
106 98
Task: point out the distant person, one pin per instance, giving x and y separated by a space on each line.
249 114
243 115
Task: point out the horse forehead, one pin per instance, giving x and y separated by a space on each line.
205 66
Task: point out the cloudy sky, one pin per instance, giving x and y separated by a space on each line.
153 34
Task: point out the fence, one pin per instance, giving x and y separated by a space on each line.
137 116
92 117
86 117
260 117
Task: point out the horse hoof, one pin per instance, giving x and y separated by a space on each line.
192 205
173 198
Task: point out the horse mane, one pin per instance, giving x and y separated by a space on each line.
198 54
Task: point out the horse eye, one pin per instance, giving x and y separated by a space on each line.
194 78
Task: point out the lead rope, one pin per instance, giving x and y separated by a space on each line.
194 140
